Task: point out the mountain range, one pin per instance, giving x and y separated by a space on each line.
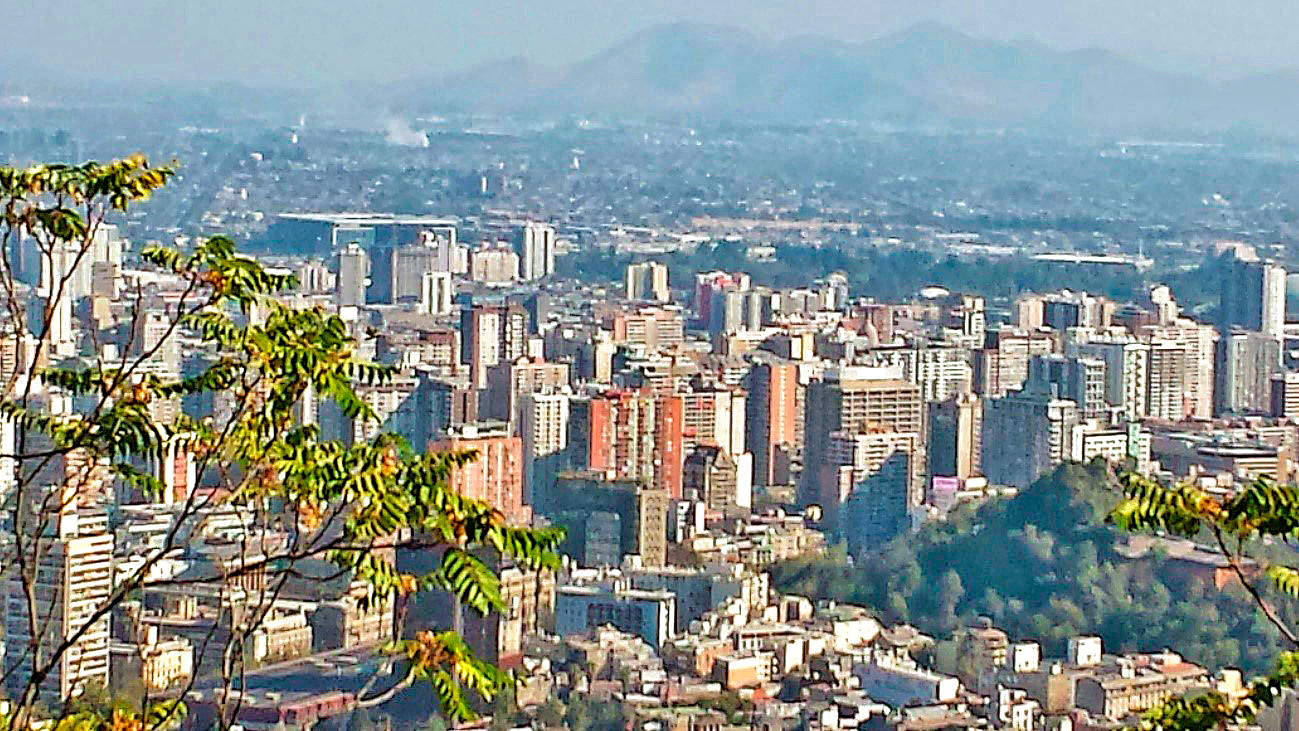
928 74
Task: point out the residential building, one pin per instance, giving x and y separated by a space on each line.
543 427
1284 395
655 328
1033 430
1002 364
607 518
72 580
1127 364
869 485
955 436
534 245
1244 365
1251 296
772 416
1166 381
353 270
1080 380
648 614
437 290
710 475
494 266
496 475
854 400
491 334
1197 341
648 281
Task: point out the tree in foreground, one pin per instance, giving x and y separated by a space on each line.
81 428
1244 528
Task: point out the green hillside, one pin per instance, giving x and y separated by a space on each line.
1042 566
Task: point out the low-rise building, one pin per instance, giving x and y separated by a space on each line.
649 615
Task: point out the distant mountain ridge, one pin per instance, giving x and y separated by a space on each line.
927 74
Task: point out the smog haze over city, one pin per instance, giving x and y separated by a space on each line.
668 366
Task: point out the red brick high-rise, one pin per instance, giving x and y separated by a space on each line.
636 435
772 416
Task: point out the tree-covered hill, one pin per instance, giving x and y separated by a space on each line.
1043 566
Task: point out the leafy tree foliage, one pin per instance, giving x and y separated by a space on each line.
1239 526
349 505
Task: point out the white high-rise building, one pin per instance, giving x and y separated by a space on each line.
534 244
1198 342
648 281
70 582
1127 364
437 293
51 314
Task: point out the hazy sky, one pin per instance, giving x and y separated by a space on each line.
308 40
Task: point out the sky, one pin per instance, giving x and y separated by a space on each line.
294 42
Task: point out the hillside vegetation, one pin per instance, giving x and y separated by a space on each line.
1043 566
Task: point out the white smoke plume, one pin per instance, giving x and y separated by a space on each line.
402 134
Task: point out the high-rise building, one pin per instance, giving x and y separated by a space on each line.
834 291
607 518
656 329
854 400
726 312
715 415
1251 296
634 434
353 268
885 467
1126 366
772 416
493 266
543 426
878 509
442 402
380 235
709 286
669 443
1063 310
955 436
648 281
534 243
1198 343
1166 379
1284 395
152 336
508 382
1002 364
436 293
939 370
711 476
448 255
1025 434
70 580
491 334
410 265
1244 366
496 475
1080 380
